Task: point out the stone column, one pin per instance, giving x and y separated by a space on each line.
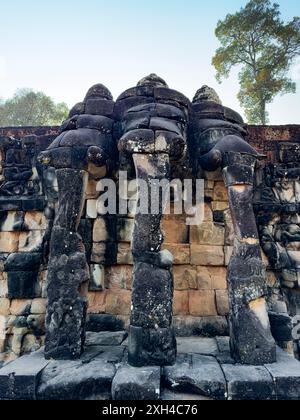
68 272
151 337
250 333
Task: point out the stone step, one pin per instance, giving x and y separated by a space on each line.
196 374
102 373
19 379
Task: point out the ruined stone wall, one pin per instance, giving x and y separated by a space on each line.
201 253
277 207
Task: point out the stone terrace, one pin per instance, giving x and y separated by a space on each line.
204 371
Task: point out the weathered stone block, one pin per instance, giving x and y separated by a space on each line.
36 323
285 192
124 255
35 221
9 241
208 214
23 261
17 340
77 380
104 253
97 278
281 326
202 303
219 277
209 184
175 230
181 253
3 288
31 343
211 326
100 232
105 322
105 338
198 374
118 277
220 192
151 346
31 241
22 284
207 255
207 234
197 345
125 229
19 380
228 254
181 303
220 205
286 376
229 229
132 384
213 176
185 277
249 383
38 306
99 107
11 221
118 302
99 253
20 307
96 302
4 306
222 301
204 280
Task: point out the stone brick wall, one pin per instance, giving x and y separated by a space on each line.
201 253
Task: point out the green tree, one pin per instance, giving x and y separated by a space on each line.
30 108
264 47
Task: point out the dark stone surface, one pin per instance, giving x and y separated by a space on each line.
105 338
65 321
249 383
151 346
251 339
205 346
219 136
186 326
104 322
102 373
77 380
23 261
136 384
19 379
281 326
157 285
152 340
22 284
286 375
196 374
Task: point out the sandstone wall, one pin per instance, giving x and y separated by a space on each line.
201 253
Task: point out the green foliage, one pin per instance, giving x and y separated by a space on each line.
257 40
29 108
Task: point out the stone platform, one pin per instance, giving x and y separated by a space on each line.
204 371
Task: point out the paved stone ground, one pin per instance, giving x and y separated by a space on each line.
204 371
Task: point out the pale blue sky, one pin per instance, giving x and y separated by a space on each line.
63 47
